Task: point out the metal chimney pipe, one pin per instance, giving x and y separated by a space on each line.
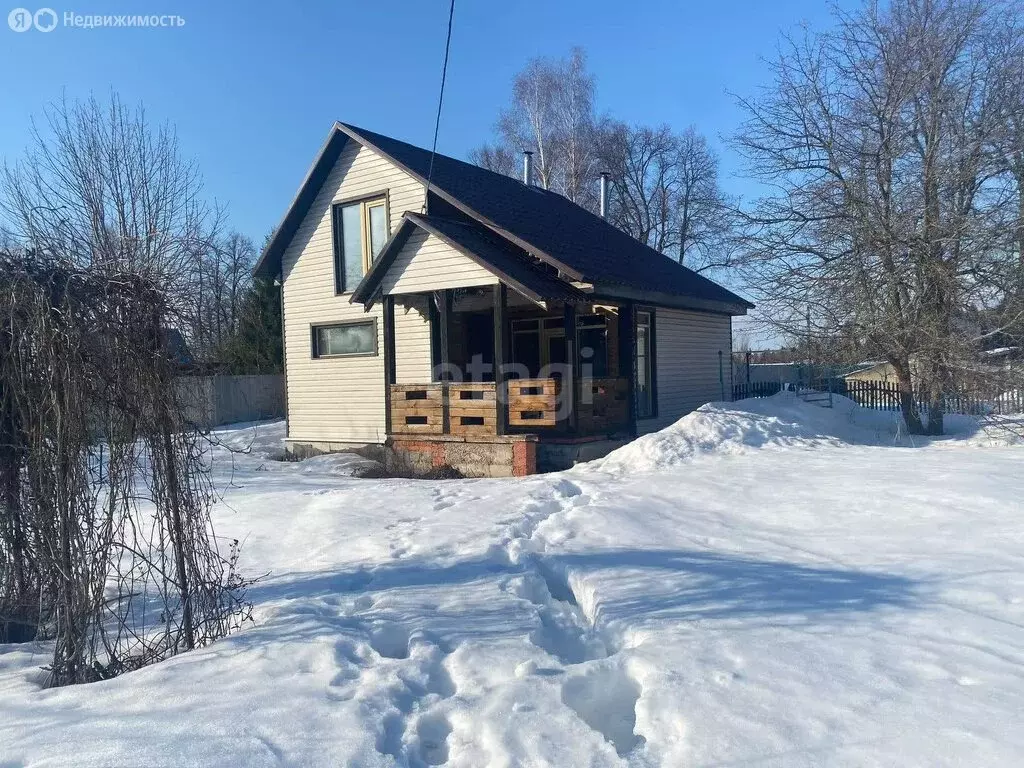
527 167
604 194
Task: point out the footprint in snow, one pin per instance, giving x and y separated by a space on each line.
605 699
432 731
390 641
424 683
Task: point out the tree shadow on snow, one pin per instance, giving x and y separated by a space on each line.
686 585
634 585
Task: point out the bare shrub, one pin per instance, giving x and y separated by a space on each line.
106 543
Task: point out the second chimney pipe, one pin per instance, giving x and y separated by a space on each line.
527 167
604 194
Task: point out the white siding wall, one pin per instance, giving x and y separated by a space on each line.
412 340
342 399
427 263
687 362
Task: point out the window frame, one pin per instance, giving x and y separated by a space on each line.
314 351
365 203
652 360
594 322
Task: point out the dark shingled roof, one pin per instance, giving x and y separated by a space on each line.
583 246
508 262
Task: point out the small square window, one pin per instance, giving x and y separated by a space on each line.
345 339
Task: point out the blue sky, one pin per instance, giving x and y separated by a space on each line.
254 87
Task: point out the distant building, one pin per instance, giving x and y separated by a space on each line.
872 371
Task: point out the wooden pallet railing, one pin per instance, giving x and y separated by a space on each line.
417 409
472 408
603 404
533 402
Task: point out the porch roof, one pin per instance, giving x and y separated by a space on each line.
508 263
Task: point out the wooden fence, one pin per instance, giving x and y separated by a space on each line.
885 396
210 401
756 389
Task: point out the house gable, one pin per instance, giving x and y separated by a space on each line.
328 398
426 263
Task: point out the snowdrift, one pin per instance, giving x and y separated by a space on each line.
786 421
783 420
265 441
259 439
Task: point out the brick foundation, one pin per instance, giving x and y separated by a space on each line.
524 458
508 456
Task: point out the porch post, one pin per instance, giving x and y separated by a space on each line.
501 357
627 360
570 387
433 318
389 358
445 318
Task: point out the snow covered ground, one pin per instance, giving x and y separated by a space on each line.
765 583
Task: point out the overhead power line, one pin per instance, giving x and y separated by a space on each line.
440 101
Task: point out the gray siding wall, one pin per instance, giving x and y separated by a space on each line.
342 399
687 362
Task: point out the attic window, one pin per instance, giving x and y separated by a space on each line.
360 230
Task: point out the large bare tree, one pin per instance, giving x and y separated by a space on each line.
102 187
892 207
665 193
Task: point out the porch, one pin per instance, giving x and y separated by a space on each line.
501 365
520 353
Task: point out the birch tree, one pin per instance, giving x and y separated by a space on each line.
552 115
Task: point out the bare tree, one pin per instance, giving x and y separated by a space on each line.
665 193
496 158
891 218
706 218
101 186
643 163
106 543
529 123
1008 47
575 130
223 277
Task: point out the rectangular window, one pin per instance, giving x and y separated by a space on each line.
342 339
540 342
377 226
593 341
644 366
360 230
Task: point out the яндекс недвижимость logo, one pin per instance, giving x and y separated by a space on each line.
46 20
22 19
